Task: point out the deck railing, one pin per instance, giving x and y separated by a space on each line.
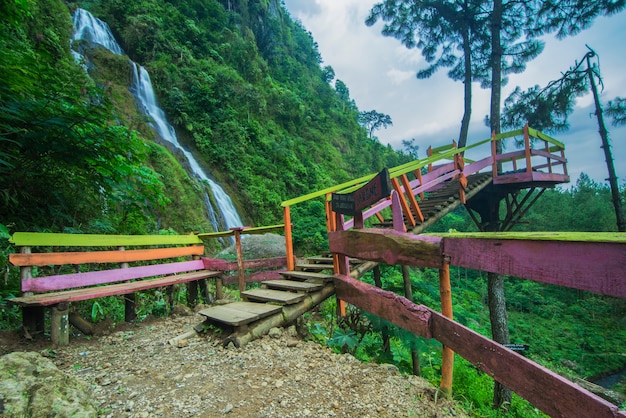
542 159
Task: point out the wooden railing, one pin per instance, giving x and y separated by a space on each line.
542 159
591 262
242 265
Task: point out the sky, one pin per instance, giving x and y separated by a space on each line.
380 74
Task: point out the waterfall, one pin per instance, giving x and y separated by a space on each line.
95 31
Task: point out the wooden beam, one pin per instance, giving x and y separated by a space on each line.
543 388
70 281
83 257
384 304
553 394
34 239
593 266
387 246
87 293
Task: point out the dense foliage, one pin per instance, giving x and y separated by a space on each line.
243 85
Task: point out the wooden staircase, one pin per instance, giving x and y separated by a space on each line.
443 200
312 280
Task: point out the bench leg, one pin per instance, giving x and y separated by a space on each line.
130 314
59 324
219 292
33 320
192 293
204 291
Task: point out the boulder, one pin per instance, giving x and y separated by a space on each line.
32 386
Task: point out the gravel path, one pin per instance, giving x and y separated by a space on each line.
135 372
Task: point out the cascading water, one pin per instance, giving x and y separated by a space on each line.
93 30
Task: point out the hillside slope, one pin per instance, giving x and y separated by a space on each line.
240 81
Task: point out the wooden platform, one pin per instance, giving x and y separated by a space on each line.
271 295
293 285
239 313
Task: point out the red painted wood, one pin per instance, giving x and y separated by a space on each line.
387 305
543 388
70 281
47 299
593 266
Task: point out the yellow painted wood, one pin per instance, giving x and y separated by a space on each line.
614 237
35 239
405 168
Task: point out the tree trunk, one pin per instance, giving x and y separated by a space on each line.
495 282
608 155
467 81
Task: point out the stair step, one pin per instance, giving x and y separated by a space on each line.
293 285
321 260
306 275
239 313
314 266
270 295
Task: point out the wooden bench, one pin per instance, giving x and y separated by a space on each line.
83 267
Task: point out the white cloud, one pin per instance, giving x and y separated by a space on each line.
398 76
380 74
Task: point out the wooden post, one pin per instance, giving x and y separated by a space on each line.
32 317
291 261
408 293
405 206
409 192
529 164
241 280
130 313
548 158
219 291
429 152
59 324
445 293
192 289
418 175
396 213
342 266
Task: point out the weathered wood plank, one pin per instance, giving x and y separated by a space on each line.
86 293
34 239
293 285
69 281
616 237
269 295
388 246
592 266
387 305
229 316
543 388
304 275
45 259
240 313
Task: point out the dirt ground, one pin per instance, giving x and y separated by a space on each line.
135 372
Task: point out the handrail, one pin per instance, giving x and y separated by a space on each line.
246 230
407 190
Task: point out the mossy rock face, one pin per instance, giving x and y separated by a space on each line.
258 246
32 386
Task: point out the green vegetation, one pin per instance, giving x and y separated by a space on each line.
243 86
